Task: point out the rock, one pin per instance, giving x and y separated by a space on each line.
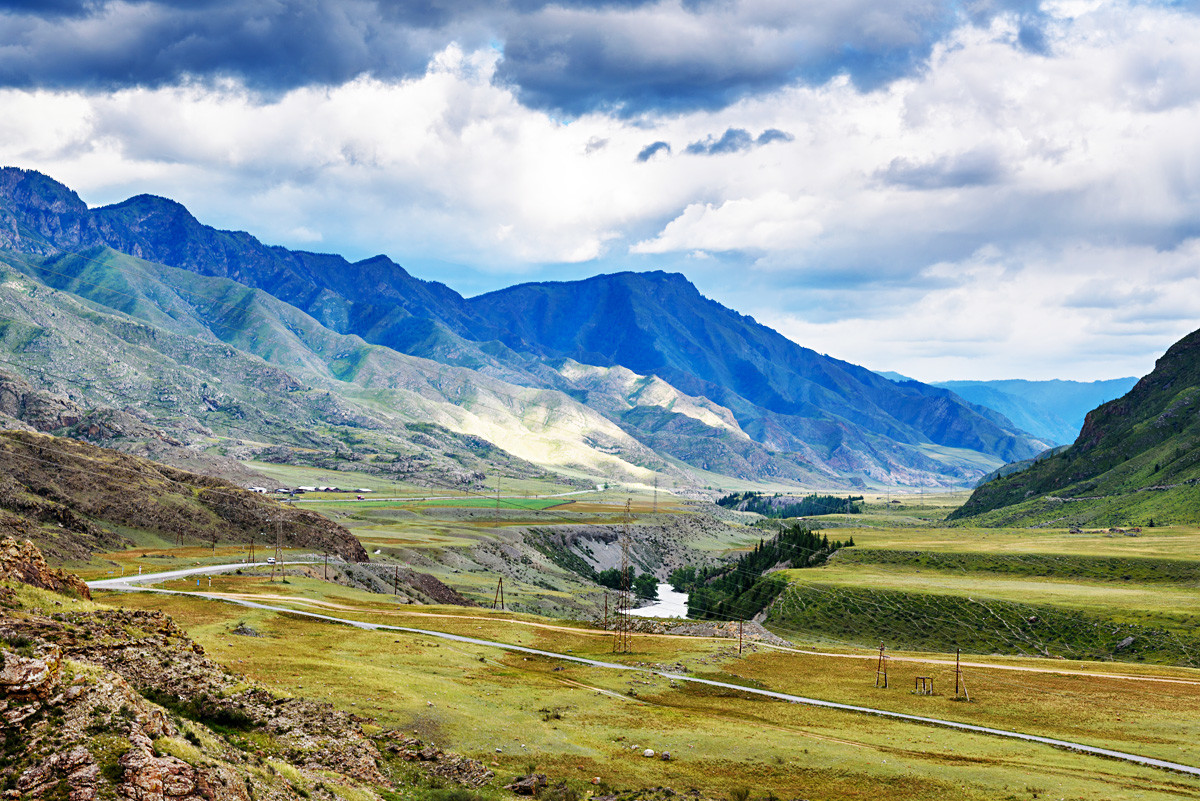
1123 644
30 678
23 562
666 756
528 785
649 752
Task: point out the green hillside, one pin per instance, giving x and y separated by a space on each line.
218 364
1135 462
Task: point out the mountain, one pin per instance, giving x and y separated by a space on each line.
798 415
1135 462
782 394
1050 410
214 364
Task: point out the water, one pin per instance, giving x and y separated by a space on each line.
669 604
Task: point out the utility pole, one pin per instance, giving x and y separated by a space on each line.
278 548
499 597
605 610
958 678
396 581
214 553
881 677
252 545
325 575
739 637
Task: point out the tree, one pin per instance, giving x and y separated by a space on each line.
646 586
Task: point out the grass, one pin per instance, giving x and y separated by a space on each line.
476 699
1108 568
1088 594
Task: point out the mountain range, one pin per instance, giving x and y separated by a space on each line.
1051 410
1134 463
625 374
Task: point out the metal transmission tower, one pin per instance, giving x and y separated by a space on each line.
623 624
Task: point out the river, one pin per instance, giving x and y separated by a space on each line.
669 604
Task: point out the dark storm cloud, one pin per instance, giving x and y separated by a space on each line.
735 140
573 56
706 55
648 152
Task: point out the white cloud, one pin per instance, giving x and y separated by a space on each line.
1082 313
772 221
975 208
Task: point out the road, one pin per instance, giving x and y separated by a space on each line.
125 584
415 499
128 583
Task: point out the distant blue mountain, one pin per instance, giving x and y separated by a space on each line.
1052 410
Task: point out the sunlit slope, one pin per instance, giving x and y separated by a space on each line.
219 340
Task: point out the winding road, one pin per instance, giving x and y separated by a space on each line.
137 584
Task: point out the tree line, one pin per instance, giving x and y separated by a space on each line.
643 586
808 506
738 591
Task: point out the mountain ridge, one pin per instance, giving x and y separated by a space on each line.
1135 461
819 413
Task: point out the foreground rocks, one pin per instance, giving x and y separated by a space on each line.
23 562
111 703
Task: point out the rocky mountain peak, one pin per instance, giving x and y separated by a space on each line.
37 191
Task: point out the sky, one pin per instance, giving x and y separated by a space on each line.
975 189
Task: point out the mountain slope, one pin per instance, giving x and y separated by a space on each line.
210 360
1135 460
83 496
658 323
818 415
1051 410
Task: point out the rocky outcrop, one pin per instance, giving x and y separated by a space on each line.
433 761
37 408
23 562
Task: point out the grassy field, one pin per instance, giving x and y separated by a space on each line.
576 722
908 581
1090 594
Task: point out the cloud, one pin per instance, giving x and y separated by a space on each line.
264 44
735 140
973 168
651 150
675 55
773 135
770 222
573 57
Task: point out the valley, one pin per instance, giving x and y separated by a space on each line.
903 566
516 712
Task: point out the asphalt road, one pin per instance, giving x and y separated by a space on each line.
130 584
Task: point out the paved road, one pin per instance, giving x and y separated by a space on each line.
128 582
125 585
439 497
